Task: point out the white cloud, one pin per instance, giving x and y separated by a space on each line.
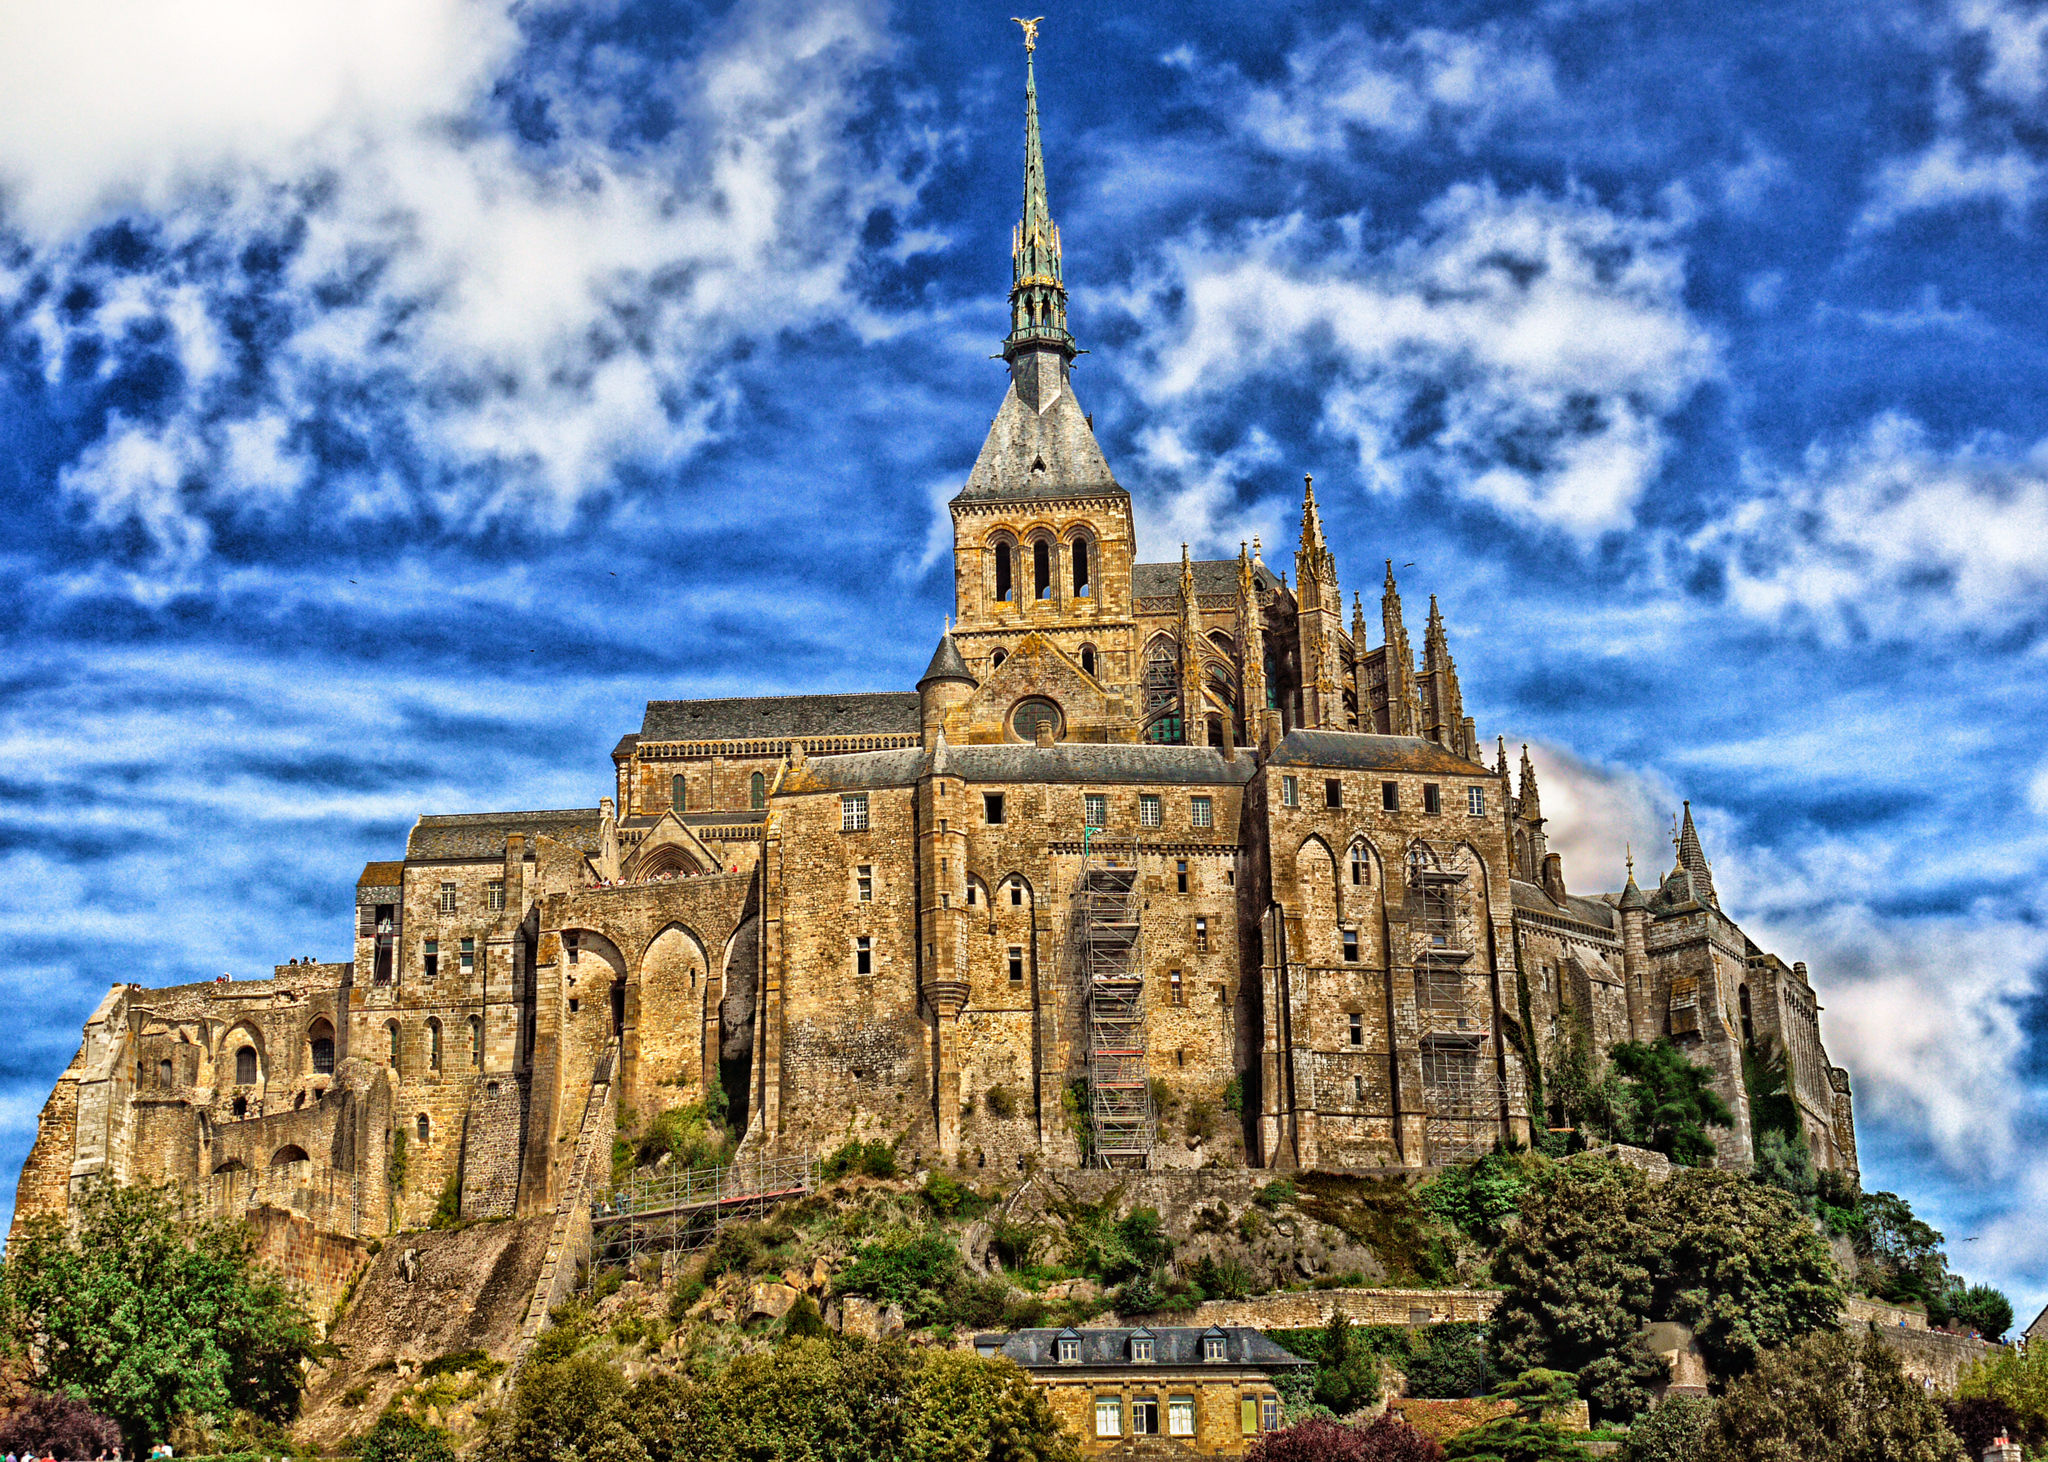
1596 816
1946 174
2017 42
1520 351
1891 535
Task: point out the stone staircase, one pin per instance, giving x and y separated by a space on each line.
569 1238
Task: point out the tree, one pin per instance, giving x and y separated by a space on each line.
1347 1374
59 1426
1829 1398
1528 1433
2020 1380
1477 1198
1980 1308
396 1437
1905 1251
1386 1438
563 1406
1667 1102
962 1408
1978 1421
149 1317
1671 1433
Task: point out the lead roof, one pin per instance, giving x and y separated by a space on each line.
1079 762
1037 455
790 717
1212 576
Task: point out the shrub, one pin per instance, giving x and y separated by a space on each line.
61 1426
448 1207
1447 1361
1980 1308
1233 1096
1347 1374
1477 1198
1321 1439
396 1437
949 1199
1671 1433
1002 1103
803 1320
562 1405
1527 1434
2020 1380
1016 1242
1978 1421
689 1135
914 1270
875 1159
1222 1279
1829 1398
1275 1193
1668 1102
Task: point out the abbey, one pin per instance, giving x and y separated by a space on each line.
1158 864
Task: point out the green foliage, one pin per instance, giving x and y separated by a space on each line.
1828 1398
477 1361
1074 1102
1667 1102
448 1207
1202 1121
690 1136
949 1199
1526 1434
148 1317
803 1320
1347 1373
2020 1380
395 1165
1002 1102
1438 1360
1786 1163
1602 1251
569 1325
1978 1307
1104 1247
1016 1241
1275 1193
905 1267
1671 1433
1233 1096
396 1437
876 1159
1223 1279
1382 1214
1477 1198
561 1404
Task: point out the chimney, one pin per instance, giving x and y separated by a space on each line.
2002 1449
1044 733
1553 876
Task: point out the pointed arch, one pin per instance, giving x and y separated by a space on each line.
1316 902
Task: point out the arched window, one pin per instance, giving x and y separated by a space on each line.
433 1045
1088 659
1041 570
423 1127
1004 589
245 1066
166 1073
321 1039
757 791
678 794
1162 695
995 660
1361 870
391 1027
476 1042
1081 589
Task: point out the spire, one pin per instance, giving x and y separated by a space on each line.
1193 722
1251 637
1501 764
1357 625
1631 896
1311 520
1532 803
1404 713
1694 861
946 664
1038 292
1313 561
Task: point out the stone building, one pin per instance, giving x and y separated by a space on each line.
1147 844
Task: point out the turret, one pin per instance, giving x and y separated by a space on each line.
944 687
1635 962
1693 861
1403 717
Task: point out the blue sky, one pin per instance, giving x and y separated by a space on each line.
397 393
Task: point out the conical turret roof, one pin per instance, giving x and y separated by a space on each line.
946 664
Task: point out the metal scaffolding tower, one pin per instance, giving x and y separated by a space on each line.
1461 1088
1108 960
652 1212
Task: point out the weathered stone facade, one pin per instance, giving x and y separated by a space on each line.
1145 837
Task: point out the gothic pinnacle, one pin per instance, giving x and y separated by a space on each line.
1038 292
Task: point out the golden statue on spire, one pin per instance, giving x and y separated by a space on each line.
1030 30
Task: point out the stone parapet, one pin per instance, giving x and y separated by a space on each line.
1306 1309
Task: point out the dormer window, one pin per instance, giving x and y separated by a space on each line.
1141 1346
1070 1349
1213 1347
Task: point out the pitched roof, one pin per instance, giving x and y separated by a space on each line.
381 875
1075 762
1212 576
1359 751
782 716
481 835
1172 1345
1036 455
1597 912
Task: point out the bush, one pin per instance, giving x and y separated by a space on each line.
45 1425
1275 1193
1671 1433
1978 1421
949 1199
1320 1439
1223 1279
1002 1103
396 1437
689 1135
875 1159
1233 1096
1447 1361
1527 1434
1829 1398
563 1406
2019 1380
1347 1374
1668 1102
1477 1198
448 1207
1016 1243
914 1270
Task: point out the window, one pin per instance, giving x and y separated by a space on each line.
1016 894
864 955
1269 1413
1180 1416
494 895
1095 808
971 900
574 941
1087 659
1070 1349
1141 1347
1016 964
864 883
1148 809
1109 1416
573 1005
1202 935
853 812
1230 878
165 1073
1213 1347
476 1043
678 794
1034 715
1202 812
1350 946
430 957
241 1106
1475 801
992 808
1080 568
1358 1090
1432 798
1390 797
996 659
1174 996
1003 589
1180 875
245 1066
1360 871
1041 570
323 1049
1290 792
1333 792
423 1127
1144 1416
1248 1414
1357 1029
447 898
469 956
433 1045
391 1033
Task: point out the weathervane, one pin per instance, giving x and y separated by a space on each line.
1030 30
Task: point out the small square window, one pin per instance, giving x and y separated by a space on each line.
1351 946
864 955
494 895
1016 964
1475 801
1016 895
853 812
864 883
992 808
574 1005
1357 1029
970 895
1432 798
1148 810
1390 796
1095 809
1201 812
447 898
1201 936
1290 792
1333 792
1180 875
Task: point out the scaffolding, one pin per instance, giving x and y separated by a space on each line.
1462 1092
1108 960
660 1212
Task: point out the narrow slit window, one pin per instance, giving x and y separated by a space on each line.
1201 936
430 957
1390 797
1016 964
1041 570
1358 1090
1180 875
1003 587
1088 659
757 791
476 1043
1360 872
864 955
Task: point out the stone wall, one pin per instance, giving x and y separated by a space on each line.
321 1263
1306 1309
1932 1358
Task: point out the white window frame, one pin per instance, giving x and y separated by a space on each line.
1070 1351
1215 1348
853 812
1109 1416
1150 813
1141 1349
1180 1416
494 895
1475 802
1290 792
864 883
1202 812
1095 812
467 954
446 902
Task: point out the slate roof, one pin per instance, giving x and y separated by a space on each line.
1172 1345
1597 912
1359 751
382 875
480 835
946 664
1020 439
626 744
1067 762
770 716
1212 576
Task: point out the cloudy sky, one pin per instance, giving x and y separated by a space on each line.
396 393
